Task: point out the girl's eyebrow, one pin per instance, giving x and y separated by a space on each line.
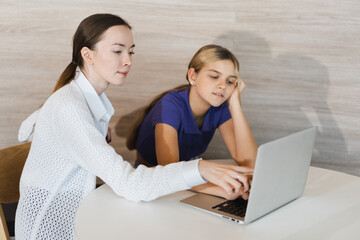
213 70
123 45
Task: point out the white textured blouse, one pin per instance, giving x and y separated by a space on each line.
68 151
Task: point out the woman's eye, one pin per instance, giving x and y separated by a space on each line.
214 77
117 52
131 53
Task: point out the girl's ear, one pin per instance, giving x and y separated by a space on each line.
87 55
192 76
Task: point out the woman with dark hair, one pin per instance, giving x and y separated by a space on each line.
69 148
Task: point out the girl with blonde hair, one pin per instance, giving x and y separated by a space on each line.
179 123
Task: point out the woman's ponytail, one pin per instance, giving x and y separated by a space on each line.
66 77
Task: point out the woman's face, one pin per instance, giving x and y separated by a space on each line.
112 57
215 82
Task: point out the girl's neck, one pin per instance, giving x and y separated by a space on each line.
198 107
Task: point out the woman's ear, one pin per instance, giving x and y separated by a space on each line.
192 76
87 55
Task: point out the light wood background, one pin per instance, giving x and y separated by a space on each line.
299 59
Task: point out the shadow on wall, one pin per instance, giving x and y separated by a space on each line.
285 93
288 93
122 127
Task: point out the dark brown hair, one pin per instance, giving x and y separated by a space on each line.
88 34
205 55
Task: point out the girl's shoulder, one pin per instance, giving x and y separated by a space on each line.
173 102
177 96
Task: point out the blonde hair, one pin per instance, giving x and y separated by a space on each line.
212 53
205 55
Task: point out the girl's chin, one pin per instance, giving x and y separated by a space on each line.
217 104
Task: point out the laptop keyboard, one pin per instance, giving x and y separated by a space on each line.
236 207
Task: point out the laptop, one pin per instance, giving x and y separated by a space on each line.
279 177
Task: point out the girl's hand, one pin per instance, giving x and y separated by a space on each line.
239 88
233 179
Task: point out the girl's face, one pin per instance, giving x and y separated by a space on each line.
112 57
214 83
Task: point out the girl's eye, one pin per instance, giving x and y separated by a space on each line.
229 82
131 53
214 77
117 52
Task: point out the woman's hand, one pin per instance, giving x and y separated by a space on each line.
244 194
212 189
235 180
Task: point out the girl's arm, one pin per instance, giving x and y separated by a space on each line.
166 144
167 151
236 132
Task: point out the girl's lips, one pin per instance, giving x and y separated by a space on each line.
218 94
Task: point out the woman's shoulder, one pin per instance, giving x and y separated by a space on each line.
69 92
66 98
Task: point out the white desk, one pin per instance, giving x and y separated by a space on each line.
329 209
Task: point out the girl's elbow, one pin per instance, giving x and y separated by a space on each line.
245 161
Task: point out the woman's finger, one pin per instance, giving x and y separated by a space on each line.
242 169
245 181
245 195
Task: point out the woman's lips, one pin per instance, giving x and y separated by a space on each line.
123 73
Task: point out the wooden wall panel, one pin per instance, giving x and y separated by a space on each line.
300 61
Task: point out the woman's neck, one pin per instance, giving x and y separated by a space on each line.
95 80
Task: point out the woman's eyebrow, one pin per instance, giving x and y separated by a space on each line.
123 45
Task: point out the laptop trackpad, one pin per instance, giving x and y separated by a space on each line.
217 205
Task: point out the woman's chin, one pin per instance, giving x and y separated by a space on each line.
118 82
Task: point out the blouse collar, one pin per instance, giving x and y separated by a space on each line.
100 106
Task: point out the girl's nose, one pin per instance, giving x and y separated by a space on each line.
221 85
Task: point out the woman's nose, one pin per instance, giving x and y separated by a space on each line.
127 61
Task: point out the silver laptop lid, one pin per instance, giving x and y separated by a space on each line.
285 164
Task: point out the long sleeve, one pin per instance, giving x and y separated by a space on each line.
68 150
27 127
82 142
